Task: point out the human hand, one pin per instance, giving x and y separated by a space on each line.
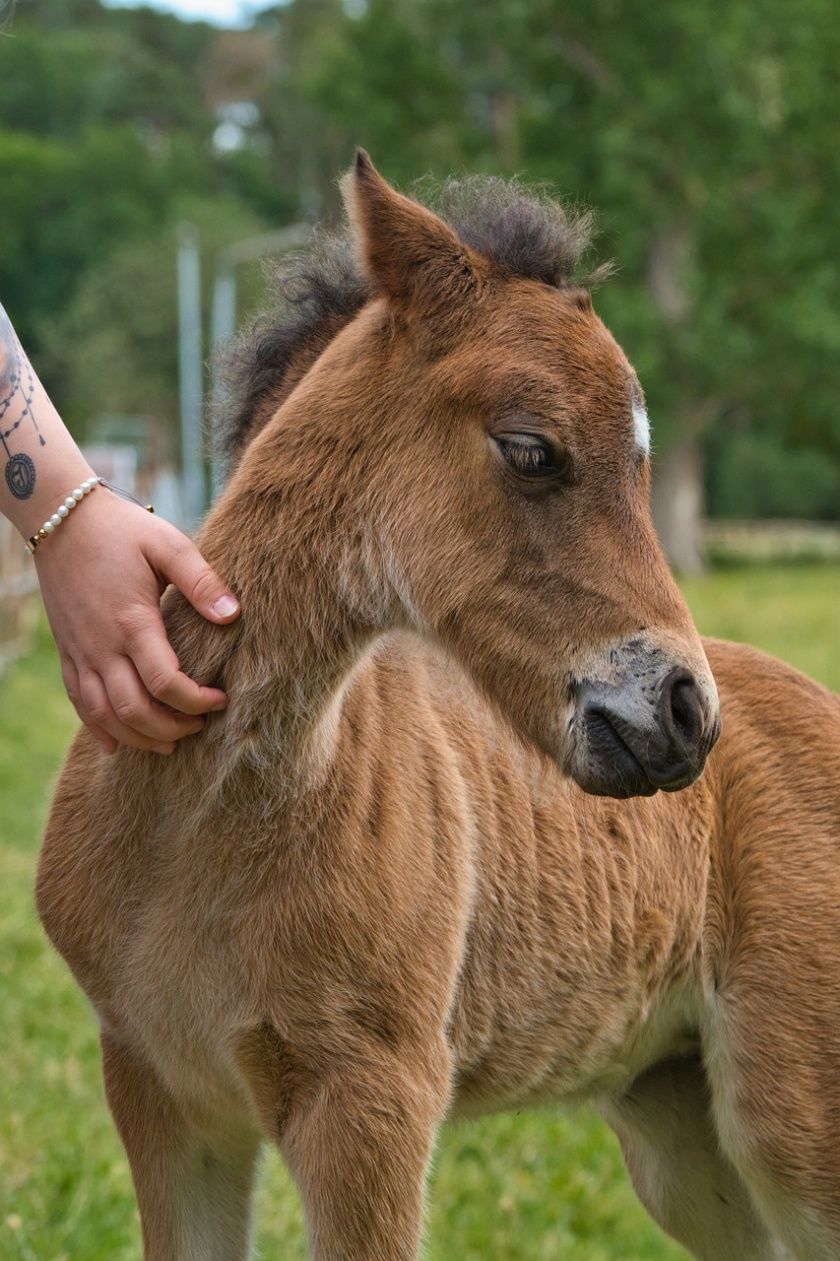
102 574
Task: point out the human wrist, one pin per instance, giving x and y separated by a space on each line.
99 519
54 486
68 505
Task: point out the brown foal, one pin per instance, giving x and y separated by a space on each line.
393 882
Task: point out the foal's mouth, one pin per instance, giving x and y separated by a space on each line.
605 747
618 772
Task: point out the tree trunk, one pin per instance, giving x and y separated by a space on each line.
678 505
677 475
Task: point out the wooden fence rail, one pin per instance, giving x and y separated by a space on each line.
771 540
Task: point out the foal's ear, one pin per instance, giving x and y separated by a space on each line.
406 251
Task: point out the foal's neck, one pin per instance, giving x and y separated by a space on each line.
289 536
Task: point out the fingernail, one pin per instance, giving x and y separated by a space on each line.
225 606
163 748
217 705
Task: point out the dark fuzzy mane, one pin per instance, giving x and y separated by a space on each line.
316 294
524 231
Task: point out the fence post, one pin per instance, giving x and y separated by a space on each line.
190 373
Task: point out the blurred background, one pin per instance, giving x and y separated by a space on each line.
703 134
152 160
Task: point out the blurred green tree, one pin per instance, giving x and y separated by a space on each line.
704 135
124 313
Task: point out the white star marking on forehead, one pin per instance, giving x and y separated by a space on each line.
641 426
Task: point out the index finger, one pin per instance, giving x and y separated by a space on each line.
155 661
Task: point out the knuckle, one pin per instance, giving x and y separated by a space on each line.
127 710
160 684
130 622
204 585
98 712
179 549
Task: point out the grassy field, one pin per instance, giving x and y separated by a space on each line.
517 1188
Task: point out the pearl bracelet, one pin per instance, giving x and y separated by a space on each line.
63 510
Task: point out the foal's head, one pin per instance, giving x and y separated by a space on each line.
492 439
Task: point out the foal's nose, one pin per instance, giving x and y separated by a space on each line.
637 739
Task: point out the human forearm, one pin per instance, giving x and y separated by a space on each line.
42 463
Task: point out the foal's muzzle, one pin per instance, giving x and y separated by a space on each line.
646 734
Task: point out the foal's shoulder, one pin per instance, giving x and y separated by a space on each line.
770 688
779 751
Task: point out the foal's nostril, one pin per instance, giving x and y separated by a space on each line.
681 710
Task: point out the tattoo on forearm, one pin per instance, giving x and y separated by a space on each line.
17 389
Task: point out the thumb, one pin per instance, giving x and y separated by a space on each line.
183 565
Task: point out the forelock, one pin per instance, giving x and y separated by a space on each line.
525 232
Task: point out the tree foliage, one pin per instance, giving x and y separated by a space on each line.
703 134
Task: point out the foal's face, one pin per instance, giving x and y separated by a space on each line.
542 569
514 460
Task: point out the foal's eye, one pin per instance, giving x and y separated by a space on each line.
527 455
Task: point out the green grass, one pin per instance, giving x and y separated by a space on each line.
531 1187
790 611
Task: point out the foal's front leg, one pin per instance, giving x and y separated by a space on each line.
193 1186
359 1149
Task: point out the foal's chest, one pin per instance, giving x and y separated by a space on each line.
582 965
